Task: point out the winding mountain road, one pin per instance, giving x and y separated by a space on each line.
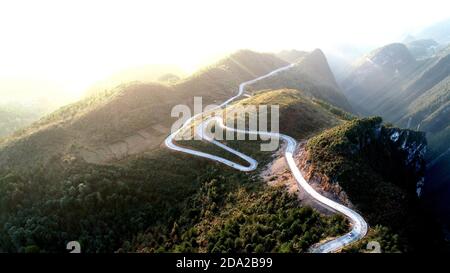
359 226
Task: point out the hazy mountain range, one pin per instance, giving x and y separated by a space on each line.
411 91
97 171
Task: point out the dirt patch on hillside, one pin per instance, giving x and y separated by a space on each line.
278 173
142 141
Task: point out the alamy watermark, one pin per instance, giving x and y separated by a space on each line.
238 122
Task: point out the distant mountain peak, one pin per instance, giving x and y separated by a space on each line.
409 38
243 53
317 65
247 56
439 32
316 55
423 48
292 55
317 52
423 42
395 57
312 75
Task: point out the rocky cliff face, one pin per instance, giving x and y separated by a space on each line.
373 167
411 147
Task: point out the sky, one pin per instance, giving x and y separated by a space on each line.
63 47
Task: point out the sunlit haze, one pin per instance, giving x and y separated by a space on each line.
66 46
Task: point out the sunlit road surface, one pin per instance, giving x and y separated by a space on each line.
359 226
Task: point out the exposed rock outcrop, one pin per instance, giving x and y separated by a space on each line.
371 167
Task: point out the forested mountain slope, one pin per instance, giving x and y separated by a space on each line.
129 119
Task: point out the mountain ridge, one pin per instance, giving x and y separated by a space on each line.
312 75
100 128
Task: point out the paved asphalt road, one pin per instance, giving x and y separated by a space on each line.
359 226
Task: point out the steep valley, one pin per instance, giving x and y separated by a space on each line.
411 93
96 171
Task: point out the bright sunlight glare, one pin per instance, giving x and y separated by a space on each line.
67 46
